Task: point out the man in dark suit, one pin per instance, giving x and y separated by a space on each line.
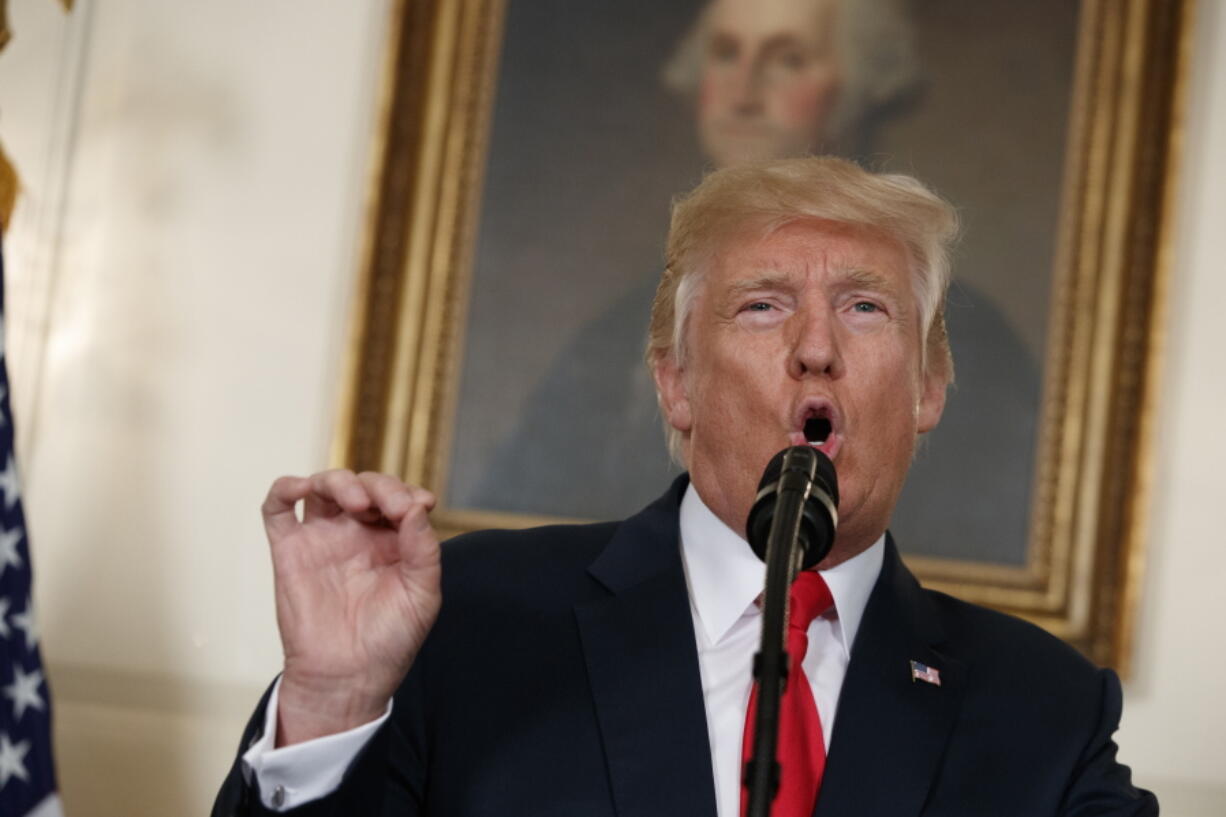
604 669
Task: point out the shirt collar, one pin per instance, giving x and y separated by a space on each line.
851 583
725 577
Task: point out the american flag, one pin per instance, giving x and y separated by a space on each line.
27 773
923 672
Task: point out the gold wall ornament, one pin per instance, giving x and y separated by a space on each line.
1085 555
6 33
8 174
9 184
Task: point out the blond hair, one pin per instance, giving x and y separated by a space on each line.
761 197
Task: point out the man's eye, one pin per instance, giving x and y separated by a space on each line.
792 59
758 306
722 50
866 307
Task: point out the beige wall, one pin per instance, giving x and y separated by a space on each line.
195 178
180 270
1174 729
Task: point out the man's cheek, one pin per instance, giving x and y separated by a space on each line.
709 98
803 106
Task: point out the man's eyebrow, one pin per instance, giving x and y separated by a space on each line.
868 279
783 40
765 281
853 278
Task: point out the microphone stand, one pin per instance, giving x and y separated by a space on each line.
784 552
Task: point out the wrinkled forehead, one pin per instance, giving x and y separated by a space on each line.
807 233
761 19
798 246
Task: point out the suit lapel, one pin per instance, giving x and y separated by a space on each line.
642 664
890 730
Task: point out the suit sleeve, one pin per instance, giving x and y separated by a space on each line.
387 777
1101 786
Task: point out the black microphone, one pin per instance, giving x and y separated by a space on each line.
790 527
800 475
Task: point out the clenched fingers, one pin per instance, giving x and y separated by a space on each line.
336 491
367 497
392 498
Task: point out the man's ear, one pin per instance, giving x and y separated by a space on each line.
674 399
936 378
932 400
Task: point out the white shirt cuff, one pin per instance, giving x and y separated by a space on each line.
293 775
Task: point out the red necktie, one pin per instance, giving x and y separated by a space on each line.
801 752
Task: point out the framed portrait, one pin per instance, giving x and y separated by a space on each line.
529 155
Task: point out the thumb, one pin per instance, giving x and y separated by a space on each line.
418 541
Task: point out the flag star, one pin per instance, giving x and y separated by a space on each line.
9 540
5 630
12 760
8 484
23 692
25 622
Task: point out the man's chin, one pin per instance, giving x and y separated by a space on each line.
727 150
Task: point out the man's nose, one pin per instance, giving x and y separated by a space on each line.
747 85
815 345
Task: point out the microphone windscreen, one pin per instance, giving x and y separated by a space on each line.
823 474
797 465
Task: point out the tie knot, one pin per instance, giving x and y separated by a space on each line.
808 599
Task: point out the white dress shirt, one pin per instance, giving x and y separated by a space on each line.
724 578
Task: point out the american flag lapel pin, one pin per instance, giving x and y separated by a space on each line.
925 673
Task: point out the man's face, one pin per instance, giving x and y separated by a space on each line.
813 320
769 80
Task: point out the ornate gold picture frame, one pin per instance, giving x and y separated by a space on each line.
1085 553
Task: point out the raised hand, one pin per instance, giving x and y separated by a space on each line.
357 590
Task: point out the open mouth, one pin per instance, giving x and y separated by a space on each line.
818 426
817 430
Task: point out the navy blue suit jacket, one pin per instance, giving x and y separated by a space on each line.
562 679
